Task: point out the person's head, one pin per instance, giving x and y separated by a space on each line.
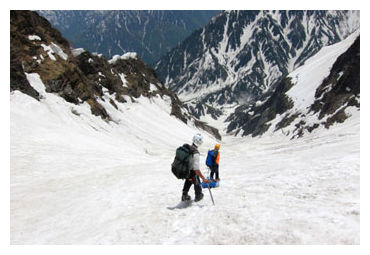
217 146
197 139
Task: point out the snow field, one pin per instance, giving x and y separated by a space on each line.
296 193
76 179
59 167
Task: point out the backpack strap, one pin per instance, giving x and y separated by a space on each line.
192 149
195 150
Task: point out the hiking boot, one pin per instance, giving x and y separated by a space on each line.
185 197
199 197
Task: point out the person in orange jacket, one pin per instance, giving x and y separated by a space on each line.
214 168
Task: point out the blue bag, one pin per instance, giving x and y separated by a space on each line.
210 160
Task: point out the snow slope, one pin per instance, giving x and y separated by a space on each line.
75 179
307 79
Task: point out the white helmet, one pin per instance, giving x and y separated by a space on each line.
198 139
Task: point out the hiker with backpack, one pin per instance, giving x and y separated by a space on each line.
213 161
186 166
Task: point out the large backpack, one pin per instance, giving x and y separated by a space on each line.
211 158
180 166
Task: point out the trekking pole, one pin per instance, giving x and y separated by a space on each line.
213 202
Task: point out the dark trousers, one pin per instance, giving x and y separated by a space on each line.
214 170
194 179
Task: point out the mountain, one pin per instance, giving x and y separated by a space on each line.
149 33
239 55
322 92
39 52
76 178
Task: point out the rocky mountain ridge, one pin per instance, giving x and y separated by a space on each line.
240 54
79 76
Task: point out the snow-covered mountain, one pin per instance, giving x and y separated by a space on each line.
325 90
110 32
241 54
92 141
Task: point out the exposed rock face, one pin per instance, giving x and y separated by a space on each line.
338 91
79 76
253 119
341 88
23 50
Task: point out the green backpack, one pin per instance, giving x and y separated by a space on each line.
180 166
